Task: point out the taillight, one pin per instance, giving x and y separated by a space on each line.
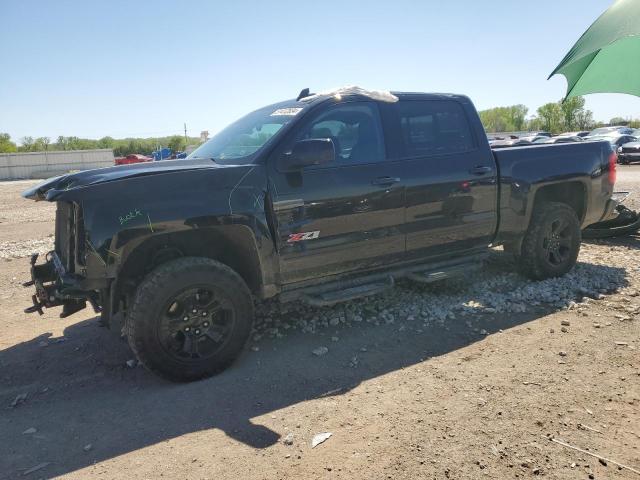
613 161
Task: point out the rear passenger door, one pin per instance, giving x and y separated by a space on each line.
450 180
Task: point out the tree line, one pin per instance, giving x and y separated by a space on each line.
554 117
121 147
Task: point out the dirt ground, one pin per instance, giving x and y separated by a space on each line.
488 396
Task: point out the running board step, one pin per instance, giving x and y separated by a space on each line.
341 290
429 276
325 299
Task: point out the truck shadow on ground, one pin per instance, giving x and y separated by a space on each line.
630 241
80 391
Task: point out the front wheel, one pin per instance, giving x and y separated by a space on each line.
551 245
190 318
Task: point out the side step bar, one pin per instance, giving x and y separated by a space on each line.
343 290
325 299
430 276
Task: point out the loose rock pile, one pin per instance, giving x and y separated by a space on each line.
602 269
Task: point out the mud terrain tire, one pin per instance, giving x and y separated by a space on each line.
189 319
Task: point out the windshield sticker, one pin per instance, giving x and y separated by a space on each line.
286 111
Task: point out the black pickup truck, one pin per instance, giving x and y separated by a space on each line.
320 199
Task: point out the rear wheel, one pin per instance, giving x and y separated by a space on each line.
190 318
551 245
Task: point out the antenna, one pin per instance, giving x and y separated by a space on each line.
303 93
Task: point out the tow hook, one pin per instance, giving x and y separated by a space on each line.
45 294
37 306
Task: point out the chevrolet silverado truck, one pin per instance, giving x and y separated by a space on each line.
319 199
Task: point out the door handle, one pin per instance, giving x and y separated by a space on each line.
480 170
385 181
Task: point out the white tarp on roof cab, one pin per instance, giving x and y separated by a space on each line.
381 95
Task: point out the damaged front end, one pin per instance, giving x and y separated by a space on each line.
114 224
59 281
55 287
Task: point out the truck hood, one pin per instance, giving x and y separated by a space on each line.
49 189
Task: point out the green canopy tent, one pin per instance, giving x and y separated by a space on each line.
606 59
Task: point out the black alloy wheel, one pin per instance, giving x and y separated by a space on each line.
558 241
190 318
551 245
196 323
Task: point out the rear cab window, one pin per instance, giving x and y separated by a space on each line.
420 128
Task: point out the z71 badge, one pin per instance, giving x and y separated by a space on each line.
297 237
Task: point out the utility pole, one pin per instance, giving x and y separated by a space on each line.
185 136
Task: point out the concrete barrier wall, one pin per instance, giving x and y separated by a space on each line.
49 164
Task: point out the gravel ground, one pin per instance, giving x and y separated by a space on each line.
628 180
463 379
25 226
495 289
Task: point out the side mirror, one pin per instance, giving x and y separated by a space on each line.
306 153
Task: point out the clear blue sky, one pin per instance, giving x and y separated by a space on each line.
142 68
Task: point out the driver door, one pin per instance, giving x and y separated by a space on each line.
343 216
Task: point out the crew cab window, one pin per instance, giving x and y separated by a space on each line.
354 129
433 128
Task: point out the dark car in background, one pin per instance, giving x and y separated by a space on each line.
581 134
614 139
629 152
533 136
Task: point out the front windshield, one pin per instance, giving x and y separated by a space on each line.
238 143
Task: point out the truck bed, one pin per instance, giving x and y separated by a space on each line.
524 171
